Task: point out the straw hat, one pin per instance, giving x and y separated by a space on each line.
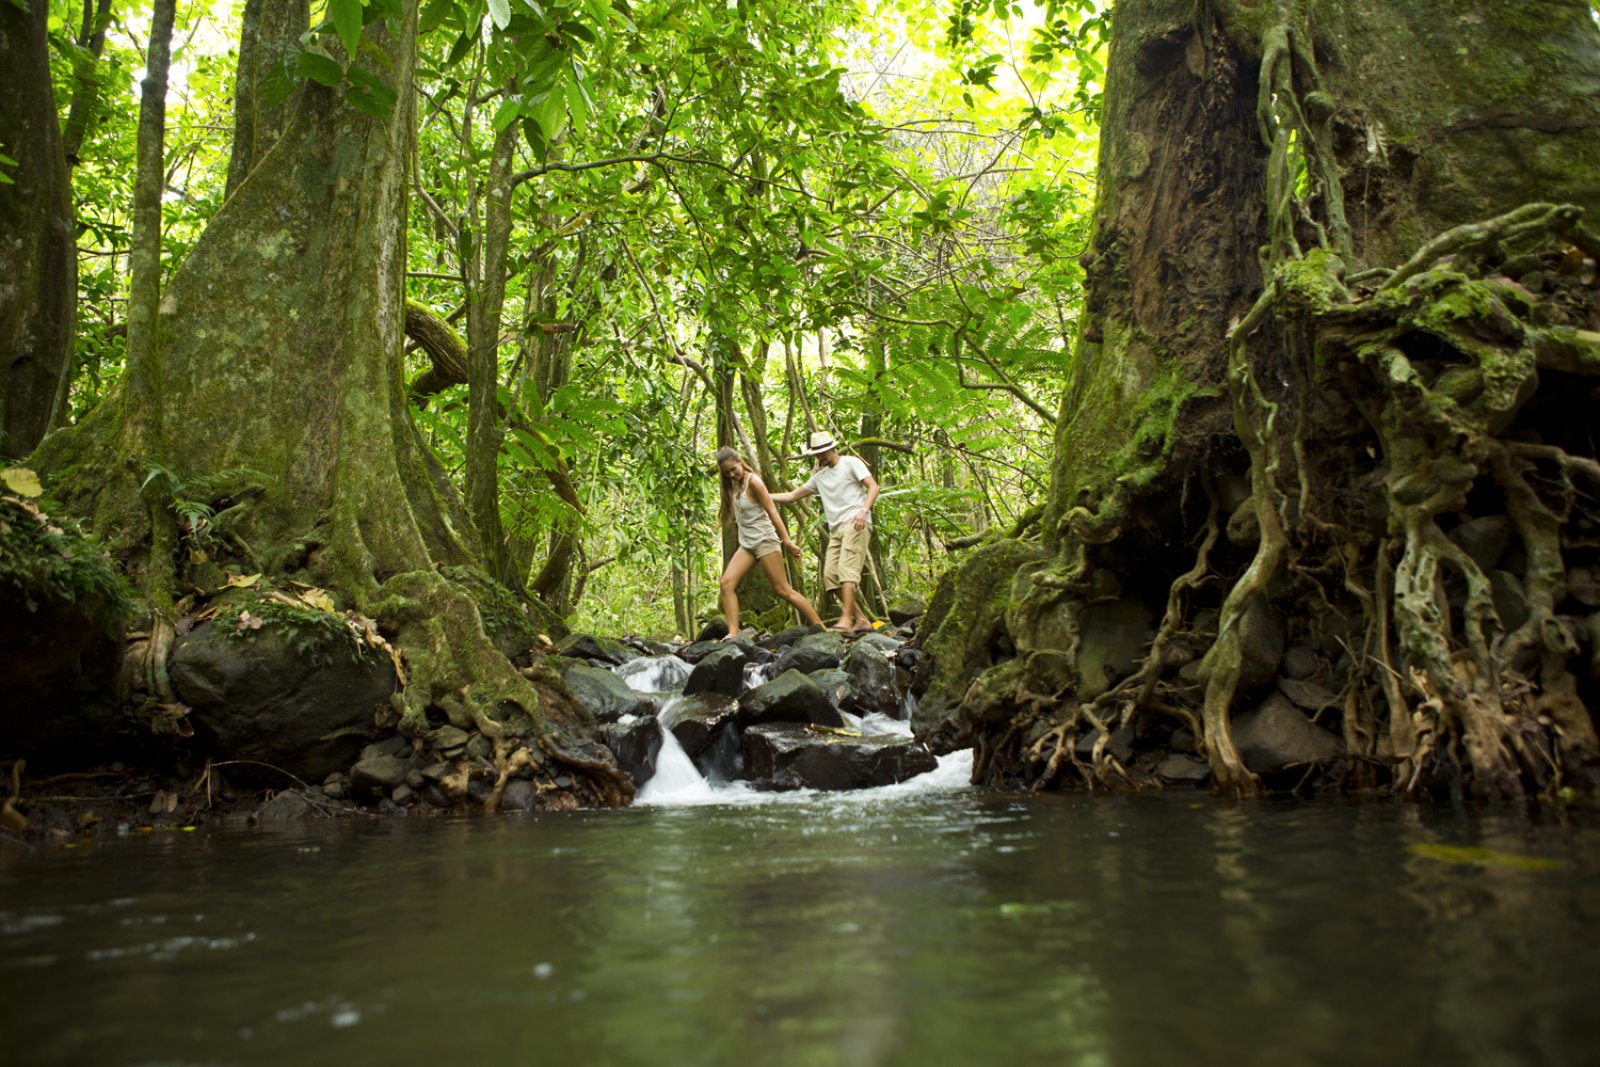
818 443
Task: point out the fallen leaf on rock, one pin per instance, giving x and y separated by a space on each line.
248 621
241 581
22 481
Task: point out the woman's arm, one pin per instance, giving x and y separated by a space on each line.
765 499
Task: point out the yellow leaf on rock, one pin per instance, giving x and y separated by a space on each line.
318 598
242 581
22 481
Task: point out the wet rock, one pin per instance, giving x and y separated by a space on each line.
871 685
697 720
389 746
377 774
881 641
1261 641
414 779
1182 740
714 630
401 793
721 671
1244 525
595 649
449 740
698 650
1510 599
791 697
1299 662
817 652
906 609
479 747
784 638
1485 539
1307 694
1113 638
635 742
258 698
1583 587
291 805
785 756
604 694
1120 747
518 795
1275 735
1182 769
833 682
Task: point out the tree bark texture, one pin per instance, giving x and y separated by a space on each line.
278 357
269 34
1341 316
38 260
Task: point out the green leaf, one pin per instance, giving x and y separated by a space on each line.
371 89
507 113
551 114
276 85
346 16
319 68
8 161
578 105
463 45
500 12
433 15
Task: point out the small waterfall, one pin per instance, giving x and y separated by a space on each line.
677 780
653 674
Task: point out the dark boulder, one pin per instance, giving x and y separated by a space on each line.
696 721
814 653
785 638
833 682
714 630
306 708
59 658
1120 746
1114 636
595 649
377 774
881 641
1183 769
786 756
696 651
722 671
791 697
636 744
906 609
872 683
1261 643
1275 735
605 694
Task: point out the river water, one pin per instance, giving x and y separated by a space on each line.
924 923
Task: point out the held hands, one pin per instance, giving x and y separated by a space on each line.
792 548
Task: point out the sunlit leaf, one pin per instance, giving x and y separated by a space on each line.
1482 857
21 481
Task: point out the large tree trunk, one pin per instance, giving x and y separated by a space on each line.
278 360
268 34
38 260
1337 328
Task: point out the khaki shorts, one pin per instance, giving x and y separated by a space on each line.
765 548
847 554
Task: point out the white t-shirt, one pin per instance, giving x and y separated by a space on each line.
841 489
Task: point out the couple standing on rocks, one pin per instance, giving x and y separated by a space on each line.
848 491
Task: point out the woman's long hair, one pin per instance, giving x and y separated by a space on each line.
725 511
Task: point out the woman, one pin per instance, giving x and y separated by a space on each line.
762 536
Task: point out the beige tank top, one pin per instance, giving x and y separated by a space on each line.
755 526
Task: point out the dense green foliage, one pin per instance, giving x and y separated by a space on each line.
717 224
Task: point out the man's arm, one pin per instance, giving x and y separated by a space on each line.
792 495
861 516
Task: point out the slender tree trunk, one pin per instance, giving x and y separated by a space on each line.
87 78
38 260
486 425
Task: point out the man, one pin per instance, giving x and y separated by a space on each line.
848 492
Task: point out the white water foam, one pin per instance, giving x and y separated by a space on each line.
653 674
678 783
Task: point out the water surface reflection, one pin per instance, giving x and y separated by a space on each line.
910 928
